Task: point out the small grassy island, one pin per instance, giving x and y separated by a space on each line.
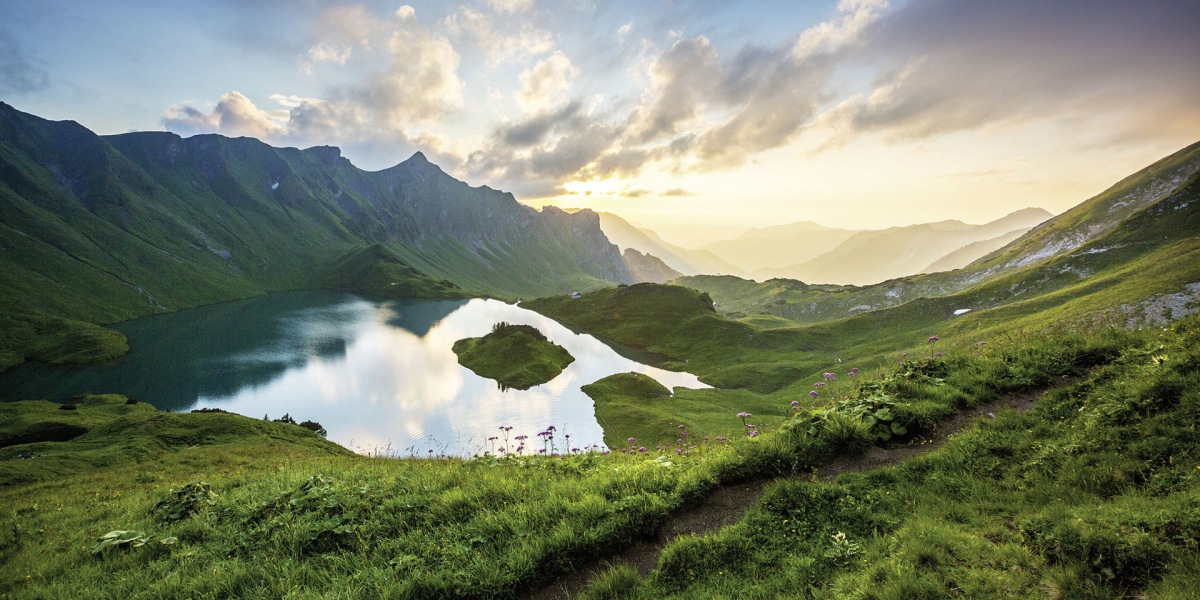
517 356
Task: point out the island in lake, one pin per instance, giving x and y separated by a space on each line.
516 356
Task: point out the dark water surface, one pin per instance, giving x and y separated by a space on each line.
379 375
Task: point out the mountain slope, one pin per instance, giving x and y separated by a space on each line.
687 262
103 229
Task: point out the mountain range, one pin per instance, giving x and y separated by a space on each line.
810 252
105 228
1131 253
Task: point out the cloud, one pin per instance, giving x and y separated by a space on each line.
623 32
18 75
510 6
953 66
499 46
677 192
543 84
681 78
413 82
534 129
234 115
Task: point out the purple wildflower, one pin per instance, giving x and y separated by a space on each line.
795 404
631 440
829 376
813 393
932 339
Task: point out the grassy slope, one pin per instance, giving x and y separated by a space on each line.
1090 495
294 516
517 356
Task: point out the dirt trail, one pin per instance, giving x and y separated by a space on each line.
727 503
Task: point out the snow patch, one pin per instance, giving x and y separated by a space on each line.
962 311
275 185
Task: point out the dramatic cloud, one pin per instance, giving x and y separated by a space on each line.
683 77
954 65
497 44
17 74
543 85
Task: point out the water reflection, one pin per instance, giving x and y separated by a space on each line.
380 376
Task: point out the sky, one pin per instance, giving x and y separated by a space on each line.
695 119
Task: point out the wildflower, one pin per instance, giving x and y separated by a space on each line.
937 353
830 376
631 440
744 415
574 449
932 339
752 433
813 393
642 449
722 439
682 426
980 343
819 384
795 404
521 437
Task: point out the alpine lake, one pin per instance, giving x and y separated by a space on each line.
379 375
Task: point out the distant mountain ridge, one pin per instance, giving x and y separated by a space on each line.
1131 252
688 262
868 257
105 228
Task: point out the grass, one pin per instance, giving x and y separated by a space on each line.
56 340
277 511
1089 495
516 356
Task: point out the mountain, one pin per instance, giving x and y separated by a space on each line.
688 262
106 228
1130 253
868 257
779 245
647 268
969 253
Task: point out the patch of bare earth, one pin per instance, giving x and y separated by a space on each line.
728 503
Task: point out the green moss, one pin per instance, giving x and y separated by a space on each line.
516 356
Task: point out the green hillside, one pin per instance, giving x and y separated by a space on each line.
103 229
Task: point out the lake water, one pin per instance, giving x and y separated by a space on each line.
378 375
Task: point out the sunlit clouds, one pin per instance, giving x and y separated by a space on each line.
624 106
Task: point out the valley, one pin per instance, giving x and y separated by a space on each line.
145 275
